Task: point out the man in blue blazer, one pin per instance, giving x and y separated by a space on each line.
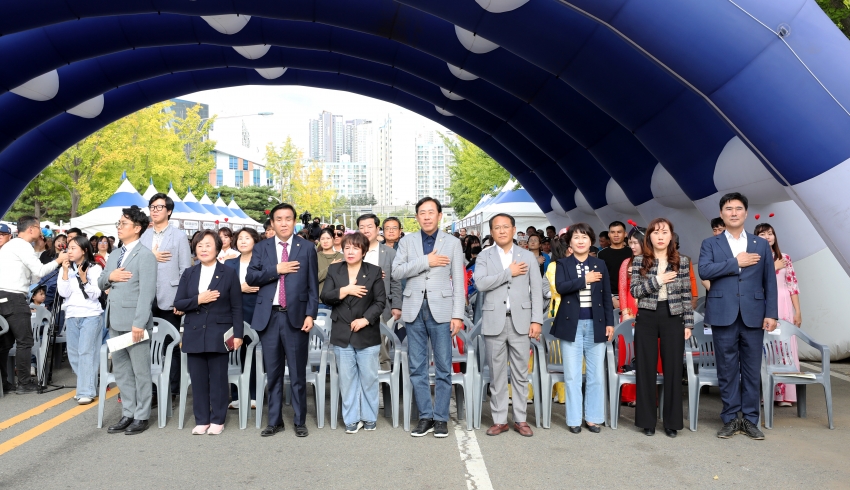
740 304
285 269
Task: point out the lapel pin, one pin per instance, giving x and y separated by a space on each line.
216 277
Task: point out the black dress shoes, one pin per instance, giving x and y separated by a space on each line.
729 429
671 432
649 432
301 430
121 426
271 430
137 427
574 430
593 428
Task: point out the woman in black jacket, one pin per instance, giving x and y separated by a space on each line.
211 297
356 292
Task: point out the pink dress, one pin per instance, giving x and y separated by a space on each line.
786 285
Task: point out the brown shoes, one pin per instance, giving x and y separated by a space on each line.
523 429
497 429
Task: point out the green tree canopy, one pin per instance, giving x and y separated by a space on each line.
473 173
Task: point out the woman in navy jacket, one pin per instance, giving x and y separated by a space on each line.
584 322
211 297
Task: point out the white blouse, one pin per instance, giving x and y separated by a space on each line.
207 272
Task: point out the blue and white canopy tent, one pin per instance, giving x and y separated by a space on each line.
516 202
103 218
602 109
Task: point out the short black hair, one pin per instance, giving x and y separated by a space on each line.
169 203
79 231
251 232
369 216
357 240
550 227
734 196
205 233
503 215
280 206
429 199
718 221
615 224
603 234
582 228
267 225
393 218
26 222
135 215
227 231
531 227
40 287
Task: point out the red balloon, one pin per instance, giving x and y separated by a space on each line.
771 215
225 220
216 221
267 211
758 216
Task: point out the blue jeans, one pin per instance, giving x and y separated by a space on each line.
84 337
594 392
423 328
358 382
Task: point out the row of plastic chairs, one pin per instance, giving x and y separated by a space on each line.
40 327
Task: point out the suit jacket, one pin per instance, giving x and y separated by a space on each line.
168 273
249 300
444 285
204 325
749 290
568 284
351 308
386 256
524 291
645 289
128 304
302 287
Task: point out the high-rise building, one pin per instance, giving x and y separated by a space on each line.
348 178
433 158
338 138
313 147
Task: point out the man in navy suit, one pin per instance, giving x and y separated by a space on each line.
740 304
284 267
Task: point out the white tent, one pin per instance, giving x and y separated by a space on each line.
103 218
238 212
151 190
517 203
232 218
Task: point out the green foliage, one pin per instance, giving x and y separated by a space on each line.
43 198
474 173
281 162
253 200
192 132
839 12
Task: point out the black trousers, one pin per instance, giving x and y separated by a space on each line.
16 311
283 343
650 326
174 376
210 393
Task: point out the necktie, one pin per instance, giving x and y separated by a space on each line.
121 257
281 294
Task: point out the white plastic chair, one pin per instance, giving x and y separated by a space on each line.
777 360
701 366
238 374
617 379
390 378
323 321
317 356
160 370
463 382
482 376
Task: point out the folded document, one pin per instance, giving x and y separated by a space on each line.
124 341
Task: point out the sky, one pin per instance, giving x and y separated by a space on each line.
293 107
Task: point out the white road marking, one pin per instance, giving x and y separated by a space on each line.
477 477
832 373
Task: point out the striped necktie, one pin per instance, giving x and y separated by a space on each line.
281 294
121 257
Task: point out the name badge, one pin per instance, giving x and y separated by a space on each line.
3 300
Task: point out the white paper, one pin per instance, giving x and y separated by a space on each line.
706 330
124 341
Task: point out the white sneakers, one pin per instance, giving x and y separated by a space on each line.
84 400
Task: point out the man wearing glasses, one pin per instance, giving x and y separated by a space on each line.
392 232
171 249
130 276
433 305
21 267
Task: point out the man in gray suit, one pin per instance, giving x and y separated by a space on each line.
171 249
382 256
130 277
513 313
432 308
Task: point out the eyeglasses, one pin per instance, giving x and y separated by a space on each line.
122 224
338 233
391 228
156 207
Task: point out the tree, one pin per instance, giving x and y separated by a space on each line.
193 133
252 199
281 162
839 12
473 173
310 190
42 198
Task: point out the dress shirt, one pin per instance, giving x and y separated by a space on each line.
507 259
372 256
20 267
428 242
207 272
76 305
129 246
230 253
737 246
158 236
662 269
243 271
279 250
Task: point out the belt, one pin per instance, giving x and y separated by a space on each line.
278 308
508 313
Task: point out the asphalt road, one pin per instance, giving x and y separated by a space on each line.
61 448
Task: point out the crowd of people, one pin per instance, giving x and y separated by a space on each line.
278 281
